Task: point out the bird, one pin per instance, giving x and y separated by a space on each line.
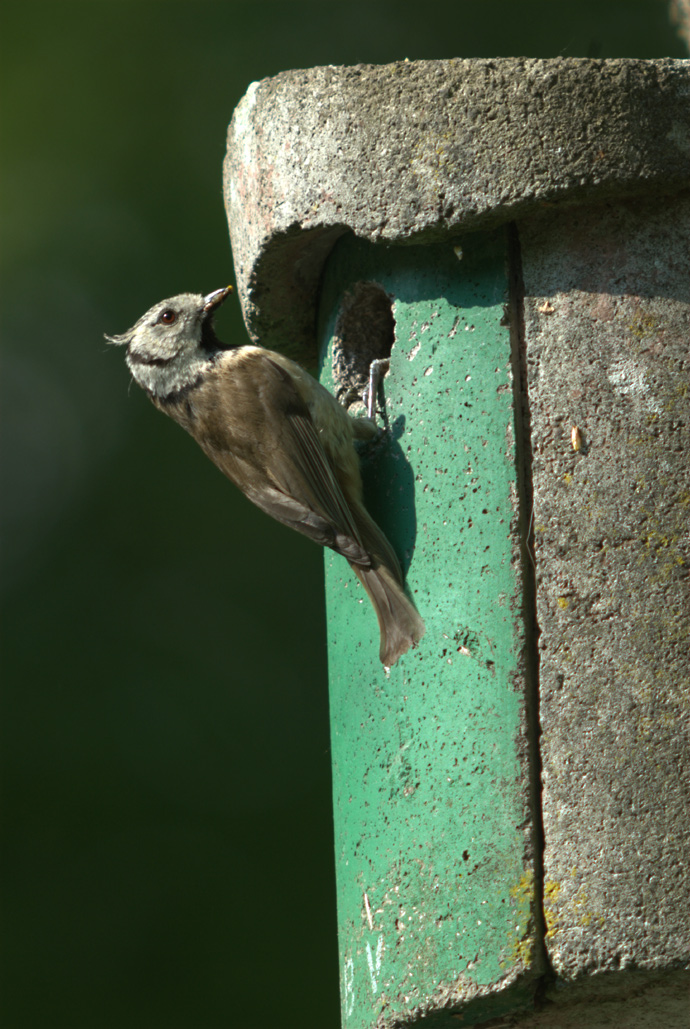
279 436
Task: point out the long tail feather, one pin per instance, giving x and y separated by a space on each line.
400 624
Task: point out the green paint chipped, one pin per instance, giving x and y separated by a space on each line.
432 834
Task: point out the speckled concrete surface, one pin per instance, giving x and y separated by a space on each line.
416 151
607 330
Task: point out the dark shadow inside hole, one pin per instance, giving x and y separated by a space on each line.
364 331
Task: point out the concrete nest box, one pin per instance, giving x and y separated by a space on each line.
512 802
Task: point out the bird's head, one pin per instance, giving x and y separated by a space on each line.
170 346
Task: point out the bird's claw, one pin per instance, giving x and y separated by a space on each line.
377 370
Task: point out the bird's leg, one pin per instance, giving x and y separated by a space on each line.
377 370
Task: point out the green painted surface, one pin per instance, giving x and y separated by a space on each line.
432 829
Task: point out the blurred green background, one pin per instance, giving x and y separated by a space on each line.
167 847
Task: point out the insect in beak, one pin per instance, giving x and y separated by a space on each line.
216 298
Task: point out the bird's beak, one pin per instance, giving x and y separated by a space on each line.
215 299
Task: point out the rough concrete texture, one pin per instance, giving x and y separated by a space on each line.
418 151
607 329
649 1002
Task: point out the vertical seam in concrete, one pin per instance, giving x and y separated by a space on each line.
523 460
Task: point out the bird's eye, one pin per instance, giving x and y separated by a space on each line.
168 317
